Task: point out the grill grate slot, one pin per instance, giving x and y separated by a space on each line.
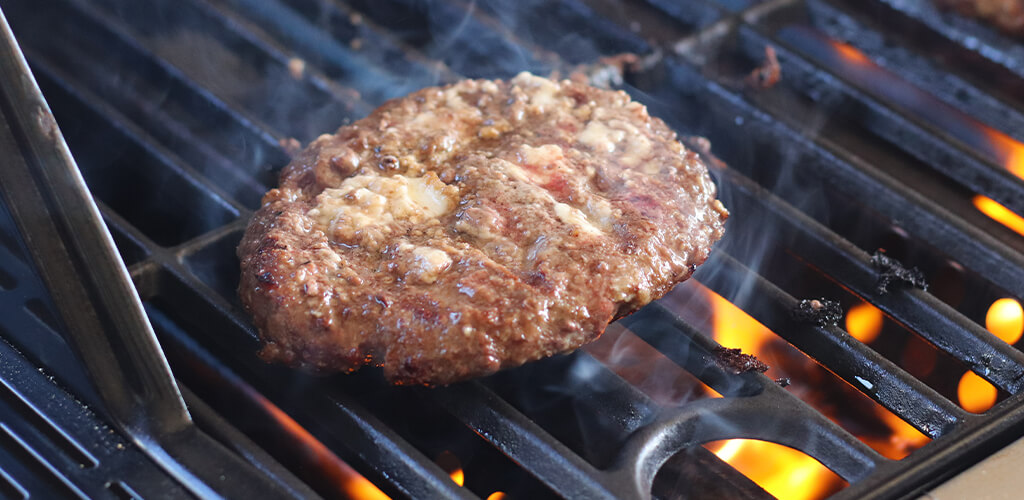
31 415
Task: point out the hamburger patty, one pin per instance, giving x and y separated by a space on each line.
474 227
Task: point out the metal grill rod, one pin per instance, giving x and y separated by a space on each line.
99 308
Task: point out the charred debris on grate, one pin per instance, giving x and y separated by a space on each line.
821 312
892 272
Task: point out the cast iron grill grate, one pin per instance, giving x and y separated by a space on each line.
177 112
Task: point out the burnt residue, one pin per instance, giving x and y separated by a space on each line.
783 381
768 73
735 361
893 272
822 312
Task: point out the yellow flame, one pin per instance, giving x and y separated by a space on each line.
999 213
864 322
458 476
976 394
734 328
497 495
1005 319
786 473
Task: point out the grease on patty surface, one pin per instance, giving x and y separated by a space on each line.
474 227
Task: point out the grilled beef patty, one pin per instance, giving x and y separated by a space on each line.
1007 15
465 229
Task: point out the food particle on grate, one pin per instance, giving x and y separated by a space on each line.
1007 15
735 361
296 68
474 227
822 312
768 73
892 272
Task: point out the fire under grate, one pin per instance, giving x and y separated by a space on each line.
880 135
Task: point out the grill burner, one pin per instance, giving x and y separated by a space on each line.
179 114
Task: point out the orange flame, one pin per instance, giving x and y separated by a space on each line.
782 471
1010 151
864 322
449 462
497 495
999 213
904 438
851 54
976 394
350 482
1005 319
458 476
734 328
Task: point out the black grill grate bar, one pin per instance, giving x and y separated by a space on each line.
23 442
525 442
478 46
262 46
332 416
328 45
31 418
140 63
918 69
919 140
396 460
27 458
916 474
246 186
11 488
308 96
678 340
695 13
156 151
968 33
854 362
545 26
921 216
932 319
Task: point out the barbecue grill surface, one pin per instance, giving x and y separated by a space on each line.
880 133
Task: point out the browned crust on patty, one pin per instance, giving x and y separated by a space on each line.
465 229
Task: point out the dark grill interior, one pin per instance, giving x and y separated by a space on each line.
891 117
